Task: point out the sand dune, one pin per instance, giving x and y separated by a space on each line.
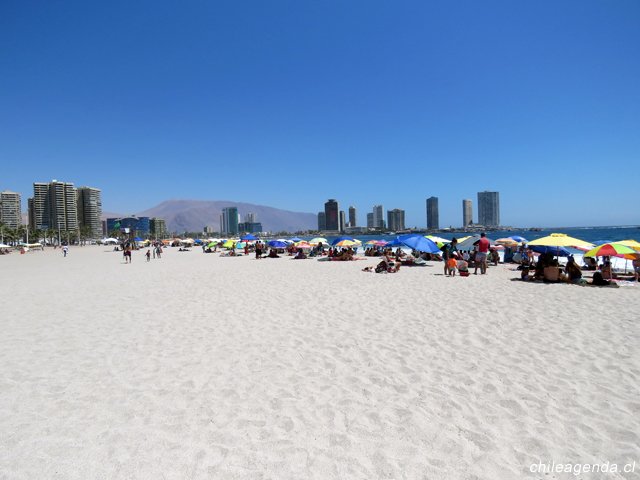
196 366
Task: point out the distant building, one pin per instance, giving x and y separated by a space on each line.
378 216
54 205
395 219
331 212
207 229
322 221
250 218
433 217
132 225
352 216
489 208
90 210
10 209
229 221
250 227
369 220
343 221
157 228
467 213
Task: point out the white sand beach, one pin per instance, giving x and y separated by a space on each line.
201 367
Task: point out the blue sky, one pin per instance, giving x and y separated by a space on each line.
289 103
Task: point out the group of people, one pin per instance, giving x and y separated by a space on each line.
455 260
547 269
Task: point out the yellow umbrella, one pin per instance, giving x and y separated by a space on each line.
560 240
347 243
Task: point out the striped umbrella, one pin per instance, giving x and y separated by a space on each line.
612 250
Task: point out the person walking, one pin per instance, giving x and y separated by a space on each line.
148 254
65 250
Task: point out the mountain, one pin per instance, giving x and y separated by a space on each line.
193 215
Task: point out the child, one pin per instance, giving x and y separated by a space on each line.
148 255
452 265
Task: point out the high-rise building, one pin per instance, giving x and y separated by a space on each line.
157 228
395 219
250 218
343 220
322 221
132 225
332 219
489 208
378 216
352 216
90 210
433 217
54 205
467 213
229 221
10 209
369 220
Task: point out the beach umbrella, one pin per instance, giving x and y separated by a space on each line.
611 250
345 243
376 243
317 240
419 243
630 243
137 239
4 245
438 240
560 240
467 243
518 239
509 242
340 239
212 245
295 239
394 243
303 244
555 251
248 237
229 243
277 244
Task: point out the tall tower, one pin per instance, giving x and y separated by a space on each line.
343 220
352 216
467 213
489 208
229 221
378 216
395 219
54 205
90 209
433 217
331 213
10 209
322 221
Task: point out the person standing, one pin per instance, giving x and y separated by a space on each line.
148 254
65 250
481 256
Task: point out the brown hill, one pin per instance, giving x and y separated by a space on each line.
193 215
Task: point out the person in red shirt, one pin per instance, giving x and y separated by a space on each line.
481 256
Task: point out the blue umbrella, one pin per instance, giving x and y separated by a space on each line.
519 239
295 239
248 237
277 244
556 251
339 239
394 243
138 239
419 243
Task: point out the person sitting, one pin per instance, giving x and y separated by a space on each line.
599 280
300 255
636 267
273 254
574 274
495 257
605 268
463 268
590 263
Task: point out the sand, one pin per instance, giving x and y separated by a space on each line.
201 367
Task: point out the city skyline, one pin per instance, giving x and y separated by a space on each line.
418 87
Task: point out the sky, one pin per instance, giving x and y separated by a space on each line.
288 103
